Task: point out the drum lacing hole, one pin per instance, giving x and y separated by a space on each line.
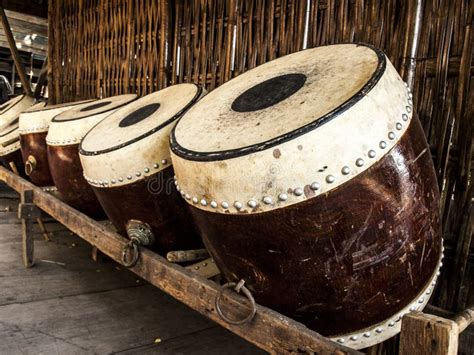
237 288
130 253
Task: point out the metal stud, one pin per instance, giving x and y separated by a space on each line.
283 197
225 205
146 170
410 101
213 204
379 330
113 181
138 173
178 188
383 144
155 166
203 202
398 126
195 200
391 135
298 191
340 340
421 300
95 182
405 117
187 197
371 153
330 179
238 205
360 162
391 324
106 182
129 177
315 186
438 273
345 170
100 182
408 108
412 309
164 162
120 179
267 200
428 291
252 204
354 337
367 334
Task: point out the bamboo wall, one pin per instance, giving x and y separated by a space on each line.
110 47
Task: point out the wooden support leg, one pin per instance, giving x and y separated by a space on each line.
27 212
428 334
44 231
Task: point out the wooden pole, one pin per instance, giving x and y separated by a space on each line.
16 56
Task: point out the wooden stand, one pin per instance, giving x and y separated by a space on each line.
269 330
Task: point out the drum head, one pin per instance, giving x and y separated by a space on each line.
10 103
42 106
95 108
278 100
140 119
10 138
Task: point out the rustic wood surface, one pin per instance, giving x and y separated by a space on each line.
269 330
68 304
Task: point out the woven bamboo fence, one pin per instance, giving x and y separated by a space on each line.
100 48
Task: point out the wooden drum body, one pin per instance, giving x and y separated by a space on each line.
64 136
311 179
34 125
131 173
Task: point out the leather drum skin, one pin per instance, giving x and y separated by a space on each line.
10 110
34 125
310 178
126 160
10 153
64 136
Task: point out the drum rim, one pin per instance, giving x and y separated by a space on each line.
94 114
22 96
176 116
188 154
65 104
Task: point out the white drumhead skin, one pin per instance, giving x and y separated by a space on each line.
133 142
236 151
12 109
9 139
69 127
37 119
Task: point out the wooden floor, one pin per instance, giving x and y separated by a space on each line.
69 304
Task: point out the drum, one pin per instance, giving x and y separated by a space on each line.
126 160
10 110
10 153
309 177
34 124
65 133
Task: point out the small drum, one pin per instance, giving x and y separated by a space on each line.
10 153
34 124
65 133
126 159
10 110
310 178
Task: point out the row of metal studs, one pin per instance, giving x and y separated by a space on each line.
413 307
49 188
138 174
67 141
315 186
33 130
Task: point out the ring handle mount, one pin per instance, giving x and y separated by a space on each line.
238 287
30 165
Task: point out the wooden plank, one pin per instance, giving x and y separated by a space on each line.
16 57
269 330
27 241
428 334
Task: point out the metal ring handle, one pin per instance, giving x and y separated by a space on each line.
30 165
237 287
130 261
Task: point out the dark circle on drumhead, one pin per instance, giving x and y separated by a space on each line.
95 106
269 92
139 115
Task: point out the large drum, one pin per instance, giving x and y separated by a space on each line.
65 133
310 178
126 159
10 110
10 153
34 125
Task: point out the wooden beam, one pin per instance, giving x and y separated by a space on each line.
427 334
16 57
269 330
26 49
40 21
